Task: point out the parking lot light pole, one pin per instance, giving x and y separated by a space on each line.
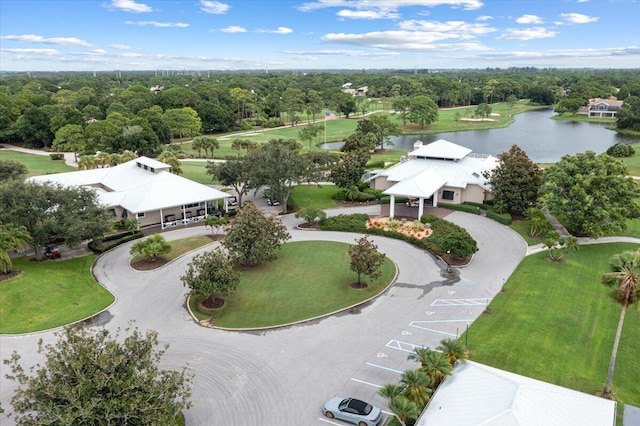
466 336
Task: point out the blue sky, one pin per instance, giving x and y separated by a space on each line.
86 35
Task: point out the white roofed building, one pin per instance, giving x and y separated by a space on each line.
145 189
476 394
441 170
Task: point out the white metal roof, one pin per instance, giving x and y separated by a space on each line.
136 189
477 394
441 149
422 185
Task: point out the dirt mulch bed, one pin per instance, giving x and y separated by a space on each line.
314 225
148 265
216 237
10 275
358 286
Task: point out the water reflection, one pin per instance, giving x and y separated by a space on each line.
543 139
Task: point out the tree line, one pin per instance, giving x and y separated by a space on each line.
140 111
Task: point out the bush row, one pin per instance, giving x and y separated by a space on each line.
108 242
447 237
464 207
503 218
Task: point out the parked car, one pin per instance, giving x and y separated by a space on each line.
51 251
272 202
353 411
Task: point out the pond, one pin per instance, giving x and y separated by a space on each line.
544 140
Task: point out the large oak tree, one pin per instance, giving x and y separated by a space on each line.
590 194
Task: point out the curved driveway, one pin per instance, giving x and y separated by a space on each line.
283 376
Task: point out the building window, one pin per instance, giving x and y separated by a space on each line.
141 214
113 212
448 195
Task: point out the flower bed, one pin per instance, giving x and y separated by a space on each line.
415 229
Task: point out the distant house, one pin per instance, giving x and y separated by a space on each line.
156 89
360 91
441 170
602 108
145 189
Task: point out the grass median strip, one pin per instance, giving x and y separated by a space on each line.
307 280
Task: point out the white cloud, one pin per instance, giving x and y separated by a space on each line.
129 6
43 52
368 14
583 1
214 7
584 54
578 18
527 34
340 52
233 29
404 40
279 30
484 18
158 24
386 4
529 19
120 46
33 38
452 29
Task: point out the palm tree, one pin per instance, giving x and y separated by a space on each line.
404 409
624 278
390 391
416 388
12 238
453 350
434 364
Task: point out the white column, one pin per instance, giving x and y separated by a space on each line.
392 205
161 220
435 199
206 213
420 207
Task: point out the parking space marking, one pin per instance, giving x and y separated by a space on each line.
399 345
447 320
366 383
395 370
329 421
460 302
415 324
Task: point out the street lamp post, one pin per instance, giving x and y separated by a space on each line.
466 336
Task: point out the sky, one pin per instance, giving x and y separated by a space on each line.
87 35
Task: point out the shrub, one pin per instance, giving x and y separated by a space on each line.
311 215
110 241
621 149
56 156
364 196
376 164
467 208
345 223
503 218
375 192
385 199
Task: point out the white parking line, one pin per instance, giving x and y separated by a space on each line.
385 368
399 345
415 324
460 302
366 383
329 421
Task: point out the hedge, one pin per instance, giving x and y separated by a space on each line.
56 156
387 200
467 208
503 218
102 245
447 236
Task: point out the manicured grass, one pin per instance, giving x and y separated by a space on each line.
36 164
182 246
197 171
307 280
633 163
50 294
522 227
567 116
557 322
314 196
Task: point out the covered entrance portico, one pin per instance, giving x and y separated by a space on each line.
423 186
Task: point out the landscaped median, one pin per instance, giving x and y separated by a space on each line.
308 279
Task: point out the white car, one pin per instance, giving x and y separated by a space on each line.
353 411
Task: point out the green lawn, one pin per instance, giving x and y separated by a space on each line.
307 280
314 196
50 294
36 164
556 323
633 163
523 227
197 171
182 246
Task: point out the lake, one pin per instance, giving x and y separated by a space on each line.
544 140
